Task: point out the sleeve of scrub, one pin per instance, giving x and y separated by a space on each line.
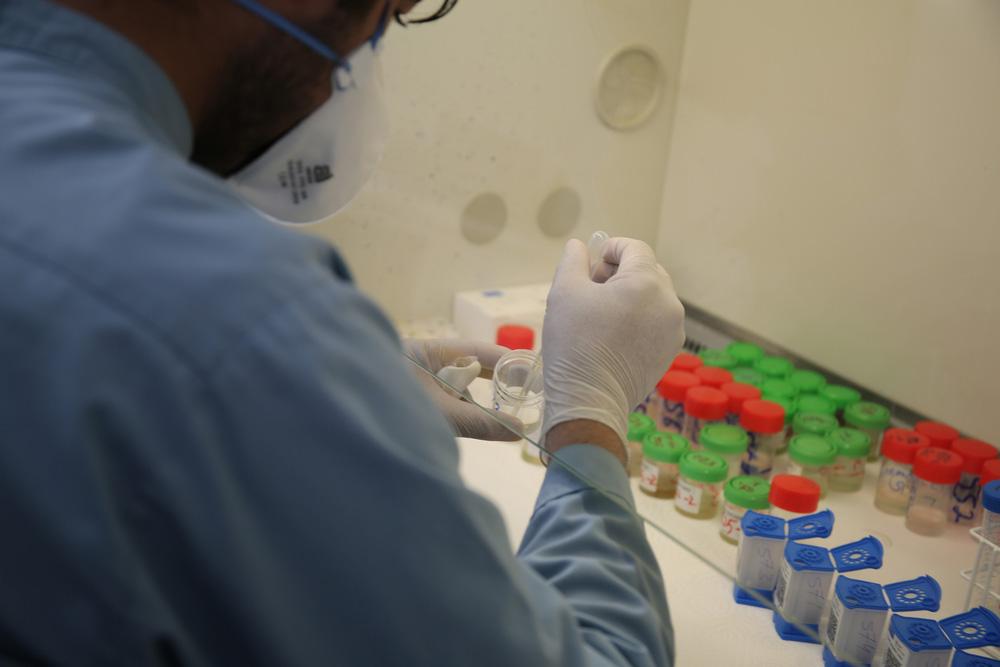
338 531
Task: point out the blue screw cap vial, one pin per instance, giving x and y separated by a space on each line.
755 524
972 629
920 594
919 634
807 557
819 524
865 554
963 659
991 496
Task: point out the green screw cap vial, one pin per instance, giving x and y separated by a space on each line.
867 415
775 367
814 403
812 450
814 423
807 382
639 426
840 395
717 358
665 447
745 354
704 467
748 376
850 442
724 439
774 388
748 492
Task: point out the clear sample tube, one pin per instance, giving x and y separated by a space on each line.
661 455
673 390
807 382
895 477
814 423
935 471
816 404
639 426
991 511
717 358
840 396
792 496
748 376
688 363
745 354
966 508
702 406
774 367
518 391
741 495
940 435
764 422
728 441
848 471
791 409
738 394
700 484
872 419
773 388
712 376
812 456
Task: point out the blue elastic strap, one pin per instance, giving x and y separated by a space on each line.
279 21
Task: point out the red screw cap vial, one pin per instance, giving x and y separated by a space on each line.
706 403
675 384
762 416
793 493
940 435
516 337
901 445
990 472
713 376
686 362
938 466
974 453
738 393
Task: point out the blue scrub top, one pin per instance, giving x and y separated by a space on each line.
212 451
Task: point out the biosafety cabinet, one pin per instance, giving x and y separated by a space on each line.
819 178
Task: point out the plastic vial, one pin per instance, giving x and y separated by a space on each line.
991 512
914 642
518 391
661 455
728 441
871 418
688 363
857 618
748 376
840 396
812 456
699 484
940 435
774 388
895 477
740 495
717 359
848 471
702 406
639 426
745 354
816 404
791 409
803 586
673 389
760 549
792 496
814 423
764 422
935 471
738 394
774 367
714 377
807 382
965 507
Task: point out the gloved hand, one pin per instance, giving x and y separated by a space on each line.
467 420
608 339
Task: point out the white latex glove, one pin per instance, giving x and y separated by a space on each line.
467 420
608 339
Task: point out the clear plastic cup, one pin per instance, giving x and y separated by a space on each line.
848 471
935 471
895 477
518 391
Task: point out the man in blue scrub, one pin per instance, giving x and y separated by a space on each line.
212 449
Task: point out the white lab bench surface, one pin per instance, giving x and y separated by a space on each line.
710 628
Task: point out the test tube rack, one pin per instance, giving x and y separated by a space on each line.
984 579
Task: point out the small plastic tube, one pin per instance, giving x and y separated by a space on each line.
699 484
895 477
741 495
803 584
518 391
966 508
935 471
792 496
760 546
848 471
872 419
940 435
745 354
814 423
856 620
661 455
913 642
841 396
712 376
991 512
673 389
702 406
738 394
639 426
728 441
807 382
812 456
764 422
774 367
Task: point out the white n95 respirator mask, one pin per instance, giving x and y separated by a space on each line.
318 168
